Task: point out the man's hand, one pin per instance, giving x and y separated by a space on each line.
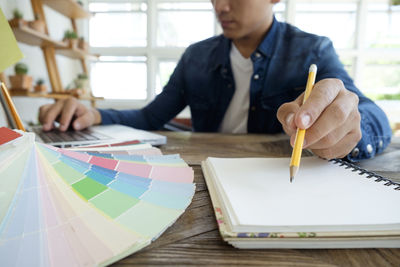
66 110
330 115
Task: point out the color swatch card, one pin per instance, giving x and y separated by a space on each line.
62 207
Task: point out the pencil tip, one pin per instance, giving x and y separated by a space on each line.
293 171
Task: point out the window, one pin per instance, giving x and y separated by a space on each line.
120 78
383 26
141 41
336 20
165 69
180 24
118 25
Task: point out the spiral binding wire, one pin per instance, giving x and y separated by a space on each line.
369 175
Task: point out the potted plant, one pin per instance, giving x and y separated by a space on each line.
37 24
71 38
18 19
82 82
82 44
21 80
40 87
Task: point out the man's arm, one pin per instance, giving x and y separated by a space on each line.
152 117
161 110
340 120
375 128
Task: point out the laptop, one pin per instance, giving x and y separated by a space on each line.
97 134
92 135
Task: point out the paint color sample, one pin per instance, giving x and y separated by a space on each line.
79 208
114 203
88 188
148 219
7 135
69 174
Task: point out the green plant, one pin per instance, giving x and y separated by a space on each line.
40 81
21 68
80 2
68 34
82 76
17 14
395 2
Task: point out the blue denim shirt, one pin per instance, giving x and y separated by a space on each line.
203 80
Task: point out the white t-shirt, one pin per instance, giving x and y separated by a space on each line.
235 119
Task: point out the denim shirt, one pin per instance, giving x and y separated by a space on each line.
203 80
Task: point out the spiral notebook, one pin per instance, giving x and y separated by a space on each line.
331 204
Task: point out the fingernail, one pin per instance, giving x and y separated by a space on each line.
46 126
77 126
304 143
305 120
289 119
63 127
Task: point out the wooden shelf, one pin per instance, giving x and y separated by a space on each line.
75 53
69 8
29 36
51 95
50 47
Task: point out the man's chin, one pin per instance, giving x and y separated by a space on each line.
230 34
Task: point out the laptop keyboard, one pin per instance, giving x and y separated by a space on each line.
56 136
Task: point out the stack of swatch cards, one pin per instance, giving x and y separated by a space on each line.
88 206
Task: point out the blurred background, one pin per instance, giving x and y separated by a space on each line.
140 42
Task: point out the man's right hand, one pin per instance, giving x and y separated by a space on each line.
66 110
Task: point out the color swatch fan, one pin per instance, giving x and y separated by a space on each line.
85 207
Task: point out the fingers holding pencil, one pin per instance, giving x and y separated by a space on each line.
330 116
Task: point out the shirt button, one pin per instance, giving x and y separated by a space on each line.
229 85
224 70
380 143
253 108
369 148
355 152
256 77
258 55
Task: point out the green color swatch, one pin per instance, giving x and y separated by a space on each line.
67 173
9 52
114 203
88 188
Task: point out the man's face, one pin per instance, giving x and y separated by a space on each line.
243 18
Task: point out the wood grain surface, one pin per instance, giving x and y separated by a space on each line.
194 238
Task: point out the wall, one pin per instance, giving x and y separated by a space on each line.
68 69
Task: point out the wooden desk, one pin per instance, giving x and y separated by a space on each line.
194 239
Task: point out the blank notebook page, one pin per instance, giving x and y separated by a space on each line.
323 196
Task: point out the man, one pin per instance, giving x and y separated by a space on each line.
252 79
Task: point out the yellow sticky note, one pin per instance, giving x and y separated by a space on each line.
9 50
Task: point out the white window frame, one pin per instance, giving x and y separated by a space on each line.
155 54
151 51
359 52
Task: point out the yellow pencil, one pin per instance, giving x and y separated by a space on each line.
12 108
298 143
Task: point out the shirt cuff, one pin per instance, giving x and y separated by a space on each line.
369 145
